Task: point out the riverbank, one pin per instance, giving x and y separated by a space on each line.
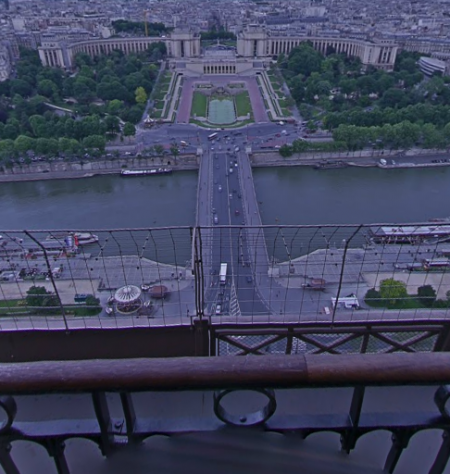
364 158
62 170
264 159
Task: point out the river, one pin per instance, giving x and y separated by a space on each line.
287 196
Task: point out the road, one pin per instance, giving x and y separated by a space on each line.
228 208
230 245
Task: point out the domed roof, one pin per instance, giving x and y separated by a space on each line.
127 294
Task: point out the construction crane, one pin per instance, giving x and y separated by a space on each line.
145 22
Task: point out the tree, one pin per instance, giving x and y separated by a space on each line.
373 298
115 106
39 296
112 124
129 130
305 60
175 151
95 142
21 87
141 95
159 149
393 292
23 143
297 88
286 151
47 88
426 294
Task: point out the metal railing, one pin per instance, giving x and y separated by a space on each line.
278 274
266 377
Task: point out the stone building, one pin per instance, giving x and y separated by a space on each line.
5 62
253 43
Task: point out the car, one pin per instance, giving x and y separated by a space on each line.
239 195
218 309
231 170
214 210
216 220
109 311
249 279
212 148
236 212
235 165
231 196
219 187
145 287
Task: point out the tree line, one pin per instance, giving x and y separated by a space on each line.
138 27
370 108
393 294
107 96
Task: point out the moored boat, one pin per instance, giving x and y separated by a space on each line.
150 172
410 234
325 165
79 238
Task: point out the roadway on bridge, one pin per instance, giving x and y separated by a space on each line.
239 296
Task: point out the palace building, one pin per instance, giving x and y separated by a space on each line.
254 43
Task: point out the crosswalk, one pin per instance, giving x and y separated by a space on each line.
235 309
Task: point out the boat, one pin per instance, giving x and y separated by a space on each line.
80 238
85 238
439 219
150 172
410 234
325 165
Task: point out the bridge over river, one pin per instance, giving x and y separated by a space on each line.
232 233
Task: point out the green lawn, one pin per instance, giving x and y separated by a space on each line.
12 306
243 104
160 95
199 103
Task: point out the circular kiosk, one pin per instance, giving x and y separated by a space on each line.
128 299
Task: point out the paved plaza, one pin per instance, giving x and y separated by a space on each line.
189 84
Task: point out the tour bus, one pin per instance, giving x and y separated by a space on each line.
435 263
223 273
212 136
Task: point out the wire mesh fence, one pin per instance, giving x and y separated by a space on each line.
228 274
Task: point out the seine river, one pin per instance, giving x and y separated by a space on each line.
287 196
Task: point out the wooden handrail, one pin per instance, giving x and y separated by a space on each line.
197 373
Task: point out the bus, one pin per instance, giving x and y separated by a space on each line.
212 136
223 273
